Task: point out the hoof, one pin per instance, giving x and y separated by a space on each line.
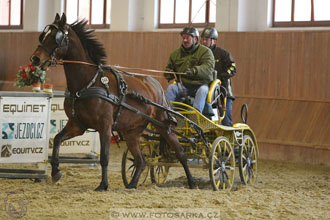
57 177
101 188
131 186
192 185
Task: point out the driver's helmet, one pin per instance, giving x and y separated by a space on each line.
210 32
191 31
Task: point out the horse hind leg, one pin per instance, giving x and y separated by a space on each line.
132 141
173 141
69 131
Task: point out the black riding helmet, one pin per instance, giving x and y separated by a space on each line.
210 32
191 31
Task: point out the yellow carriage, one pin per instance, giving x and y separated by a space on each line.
220 148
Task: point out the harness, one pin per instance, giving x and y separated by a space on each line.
89 92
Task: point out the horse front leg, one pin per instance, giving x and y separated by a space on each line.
69 131
104 160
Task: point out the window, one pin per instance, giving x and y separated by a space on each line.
11 14
180 13
300 13
97 12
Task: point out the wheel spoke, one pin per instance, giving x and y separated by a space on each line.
244 157
223 180
248 144
218 184
229 183
216 171
252 150
223 186
226 149
247 173
159 169
230 168
228 158
133 171
130 167
251 172
244 167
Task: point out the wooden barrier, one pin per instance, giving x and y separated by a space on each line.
283 76
293 130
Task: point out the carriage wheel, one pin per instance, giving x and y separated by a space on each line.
158 173
222 164
128 167
248 161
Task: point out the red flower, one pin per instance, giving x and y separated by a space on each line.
24 76
30 65
33 68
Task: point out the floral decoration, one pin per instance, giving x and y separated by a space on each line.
29 75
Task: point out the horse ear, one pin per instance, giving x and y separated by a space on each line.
57 18
63 20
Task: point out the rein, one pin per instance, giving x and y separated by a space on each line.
62 62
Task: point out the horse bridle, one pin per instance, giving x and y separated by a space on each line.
62 41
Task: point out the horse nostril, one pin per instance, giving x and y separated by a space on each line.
35 60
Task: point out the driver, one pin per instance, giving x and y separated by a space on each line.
197 62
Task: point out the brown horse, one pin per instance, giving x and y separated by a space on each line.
84 72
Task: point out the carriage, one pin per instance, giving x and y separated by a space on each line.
218 148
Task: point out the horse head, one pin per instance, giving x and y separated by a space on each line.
54 43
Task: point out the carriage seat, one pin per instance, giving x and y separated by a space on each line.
216 99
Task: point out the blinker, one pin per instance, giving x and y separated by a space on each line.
59 37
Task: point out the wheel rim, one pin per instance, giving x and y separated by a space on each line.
129 168
248 161
222 165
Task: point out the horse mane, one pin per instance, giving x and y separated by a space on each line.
92 46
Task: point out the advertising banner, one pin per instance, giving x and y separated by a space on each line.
81 144
24 129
